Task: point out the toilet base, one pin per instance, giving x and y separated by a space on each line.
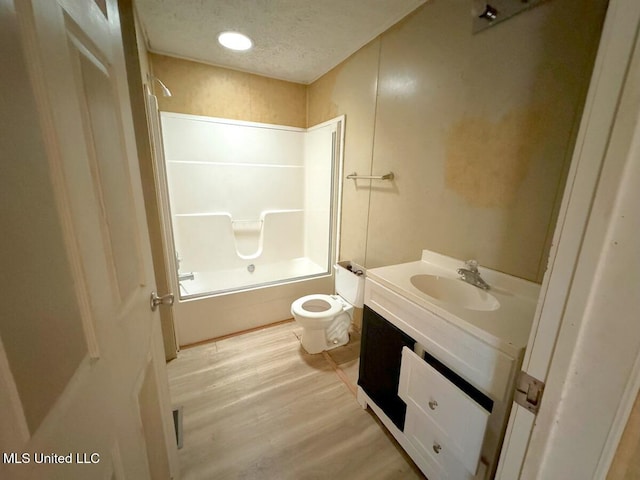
316 340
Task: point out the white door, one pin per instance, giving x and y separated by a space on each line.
83 385
547 354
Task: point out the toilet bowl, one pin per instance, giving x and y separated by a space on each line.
325 319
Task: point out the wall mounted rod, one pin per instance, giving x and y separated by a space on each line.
355 176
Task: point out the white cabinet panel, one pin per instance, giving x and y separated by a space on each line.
428 393
435 456
486 368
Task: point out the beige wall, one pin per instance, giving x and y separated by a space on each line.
201 89
351 88
478 130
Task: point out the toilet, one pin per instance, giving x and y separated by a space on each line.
325 319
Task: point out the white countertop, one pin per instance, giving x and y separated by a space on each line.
506 328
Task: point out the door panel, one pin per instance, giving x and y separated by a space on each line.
110 406
109 167
150 409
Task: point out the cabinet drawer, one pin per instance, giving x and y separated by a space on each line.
435 457
448 409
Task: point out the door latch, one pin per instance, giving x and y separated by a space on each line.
528 392
163 300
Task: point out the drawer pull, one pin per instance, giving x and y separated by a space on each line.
437 448
433 404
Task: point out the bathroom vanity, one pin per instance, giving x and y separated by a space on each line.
439 359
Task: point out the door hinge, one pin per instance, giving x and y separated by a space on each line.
528 392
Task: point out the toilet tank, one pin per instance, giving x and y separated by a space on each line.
350 282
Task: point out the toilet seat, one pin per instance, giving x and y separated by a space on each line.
335 306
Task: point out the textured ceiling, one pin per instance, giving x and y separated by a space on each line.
295 40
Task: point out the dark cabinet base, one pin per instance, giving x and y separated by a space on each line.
380 357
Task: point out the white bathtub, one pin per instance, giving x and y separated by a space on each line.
204 317
222 281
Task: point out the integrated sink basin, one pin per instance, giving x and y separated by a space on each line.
431 289
455 292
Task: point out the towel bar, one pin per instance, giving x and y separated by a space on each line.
355 176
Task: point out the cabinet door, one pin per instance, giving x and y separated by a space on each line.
380 358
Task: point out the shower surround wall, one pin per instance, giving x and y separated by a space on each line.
250 203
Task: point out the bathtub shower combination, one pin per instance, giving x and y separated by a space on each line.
251 204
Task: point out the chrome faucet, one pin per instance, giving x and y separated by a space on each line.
471 275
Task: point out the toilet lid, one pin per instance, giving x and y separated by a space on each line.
316 306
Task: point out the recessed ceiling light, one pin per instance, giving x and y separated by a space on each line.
235 41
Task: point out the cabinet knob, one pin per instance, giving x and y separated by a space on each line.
433 404
436 447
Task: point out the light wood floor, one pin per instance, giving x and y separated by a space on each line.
256 406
